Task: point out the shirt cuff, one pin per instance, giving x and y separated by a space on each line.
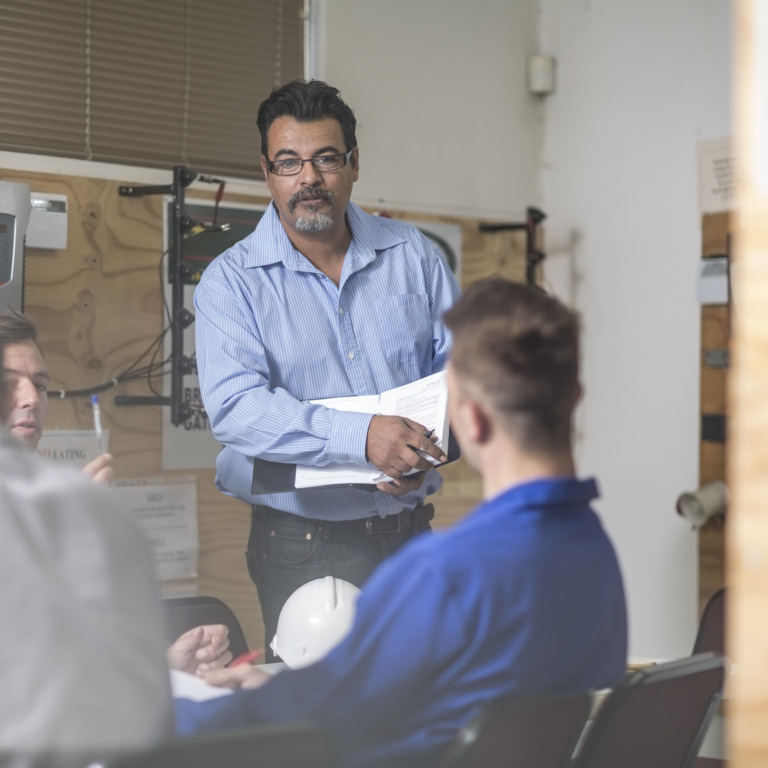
349 434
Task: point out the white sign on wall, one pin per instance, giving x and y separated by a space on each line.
166 510
717 175
76 447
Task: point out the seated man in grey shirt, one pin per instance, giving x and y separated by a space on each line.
83 664
82 661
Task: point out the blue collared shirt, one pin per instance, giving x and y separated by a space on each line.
523 597
273 332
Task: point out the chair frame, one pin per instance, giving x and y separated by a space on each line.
463 751
712 621
597 738
287 745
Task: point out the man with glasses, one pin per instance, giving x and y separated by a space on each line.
321 300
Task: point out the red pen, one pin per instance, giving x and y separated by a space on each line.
247 658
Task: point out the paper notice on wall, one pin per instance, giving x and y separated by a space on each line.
717 175
77 447
166 509
713 280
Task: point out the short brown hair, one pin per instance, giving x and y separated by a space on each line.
520 348
15 328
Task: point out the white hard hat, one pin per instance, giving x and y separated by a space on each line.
313 620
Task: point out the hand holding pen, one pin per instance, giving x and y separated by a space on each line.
397 446
100 469
97 424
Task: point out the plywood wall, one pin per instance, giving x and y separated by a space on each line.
98 306
715 336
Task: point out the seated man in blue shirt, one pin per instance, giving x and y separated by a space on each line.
524 596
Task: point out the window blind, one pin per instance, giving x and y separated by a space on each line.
142 82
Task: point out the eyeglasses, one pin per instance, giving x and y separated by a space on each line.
290 166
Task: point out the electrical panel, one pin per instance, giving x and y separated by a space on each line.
15 207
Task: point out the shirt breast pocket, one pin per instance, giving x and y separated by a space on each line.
405 326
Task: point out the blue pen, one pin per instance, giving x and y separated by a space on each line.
97 424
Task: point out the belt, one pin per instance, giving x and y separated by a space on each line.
404 521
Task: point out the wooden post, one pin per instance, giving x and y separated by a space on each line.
747 539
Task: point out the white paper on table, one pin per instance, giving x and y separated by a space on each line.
186 686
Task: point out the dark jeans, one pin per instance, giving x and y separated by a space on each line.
286 551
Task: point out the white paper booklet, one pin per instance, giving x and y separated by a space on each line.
186 686
425 401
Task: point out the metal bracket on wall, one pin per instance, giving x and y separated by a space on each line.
180 317
717 358
533 256
713 427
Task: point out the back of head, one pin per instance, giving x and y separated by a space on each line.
86 671
306 102
518 349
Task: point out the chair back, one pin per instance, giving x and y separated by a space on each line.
656 716
536 732
183 613
711 633
294 745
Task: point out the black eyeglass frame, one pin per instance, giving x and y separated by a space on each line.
313 160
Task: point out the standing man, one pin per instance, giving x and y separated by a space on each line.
523 597
321 300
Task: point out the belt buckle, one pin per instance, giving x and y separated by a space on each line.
373 525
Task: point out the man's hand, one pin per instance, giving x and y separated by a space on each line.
242 676
396 445
100 469
200 649
402 485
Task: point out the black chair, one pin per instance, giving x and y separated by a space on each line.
535 732
711 632
656 716
295 745
183 613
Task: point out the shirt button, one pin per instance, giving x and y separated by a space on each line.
351 355
341 311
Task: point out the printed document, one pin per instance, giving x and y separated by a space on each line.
425 401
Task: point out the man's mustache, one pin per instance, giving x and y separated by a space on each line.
310 193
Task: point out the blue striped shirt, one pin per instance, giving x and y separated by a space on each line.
273 332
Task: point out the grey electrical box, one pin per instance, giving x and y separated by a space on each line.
15 208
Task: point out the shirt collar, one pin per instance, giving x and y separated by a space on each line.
269 243
551 492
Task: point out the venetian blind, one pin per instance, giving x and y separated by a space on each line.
154 83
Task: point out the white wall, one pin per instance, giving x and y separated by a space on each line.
438 88
639 83
446 126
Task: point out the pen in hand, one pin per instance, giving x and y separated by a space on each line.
247 658
97 424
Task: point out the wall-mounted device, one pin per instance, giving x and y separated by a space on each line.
48 222
541 74
14 217
699 506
